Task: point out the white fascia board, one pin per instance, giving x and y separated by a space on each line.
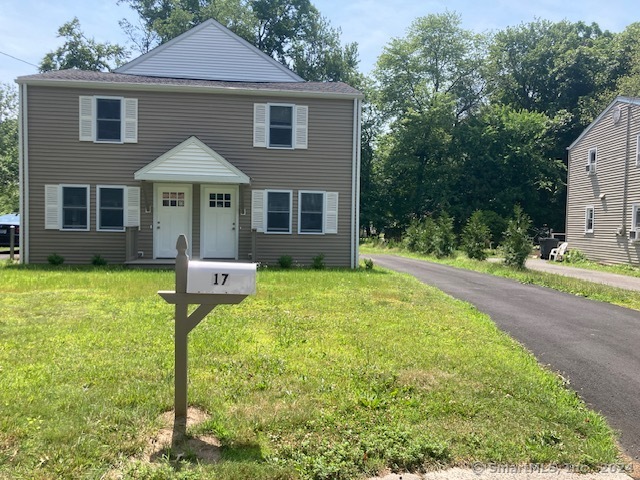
160 177
625 100
187 89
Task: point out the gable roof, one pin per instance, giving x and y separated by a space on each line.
210 51
192 161
618 100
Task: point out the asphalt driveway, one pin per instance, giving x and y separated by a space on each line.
595 345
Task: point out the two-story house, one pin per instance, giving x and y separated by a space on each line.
603 186
205 135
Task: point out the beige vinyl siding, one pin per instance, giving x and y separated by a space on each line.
605 190
224 123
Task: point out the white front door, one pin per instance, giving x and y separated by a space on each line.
172 218
219 234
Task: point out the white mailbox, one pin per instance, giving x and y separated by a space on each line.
221 278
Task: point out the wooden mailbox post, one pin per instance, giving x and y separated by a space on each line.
207 284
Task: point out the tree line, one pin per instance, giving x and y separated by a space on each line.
454 121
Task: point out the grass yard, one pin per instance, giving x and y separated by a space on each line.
323 374
594 291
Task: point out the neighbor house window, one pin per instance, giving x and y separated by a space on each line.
311 218
277 125
589 217
111 208
635 217
592 160
108 119
75 207
278 211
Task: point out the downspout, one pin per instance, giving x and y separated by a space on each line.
23 172
625 191
355 186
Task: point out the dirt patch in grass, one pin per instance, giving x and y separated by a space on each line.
174 443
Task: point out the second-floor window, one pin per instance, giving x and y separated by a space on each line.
589 219
592 160
106 119
280 125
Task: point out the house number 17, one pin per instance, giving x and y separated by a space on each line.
220 278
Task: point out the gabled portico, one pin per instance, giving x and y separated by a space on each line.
175 210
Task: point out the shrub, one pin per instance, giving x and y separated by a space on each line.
475 237
517 244
98 261
368 264
419 236
443 241
285 261
317 262
55 259
575 256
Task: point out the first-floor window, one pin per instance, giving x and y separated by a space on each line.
589 217
311 212
110 207
278 212
75 207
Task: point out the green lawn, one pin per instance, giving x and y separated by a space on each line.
323 374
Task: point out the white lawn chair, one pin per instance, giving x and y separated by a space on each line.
557 254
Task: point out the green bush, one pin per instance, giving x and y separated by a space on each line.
98 261
55 259
444 238
475 237
317 262
285 261
517 243
368 264
575 256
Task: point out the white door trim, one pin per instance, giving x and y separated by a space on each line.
188 204
203 206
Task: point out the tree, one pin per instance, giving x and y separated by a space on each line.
507 158
437 59
475 237
552 68
9 197
291 31
81 52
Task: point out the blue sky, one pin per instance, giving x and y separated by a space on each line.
28 27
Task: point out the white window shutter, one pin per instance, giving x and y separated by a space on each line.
259 124
132 210
130 120
331 212
257 210
52 207
302 121
86 119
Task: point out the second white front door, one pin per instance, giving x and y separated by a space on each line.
219 237
172 218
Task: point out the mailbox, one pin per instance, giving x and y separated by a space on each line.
221 278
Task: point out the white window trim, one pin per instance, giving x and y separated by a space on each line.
124 208
593 166
324 212
95 118
586 218
293 126
266 211
61 188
